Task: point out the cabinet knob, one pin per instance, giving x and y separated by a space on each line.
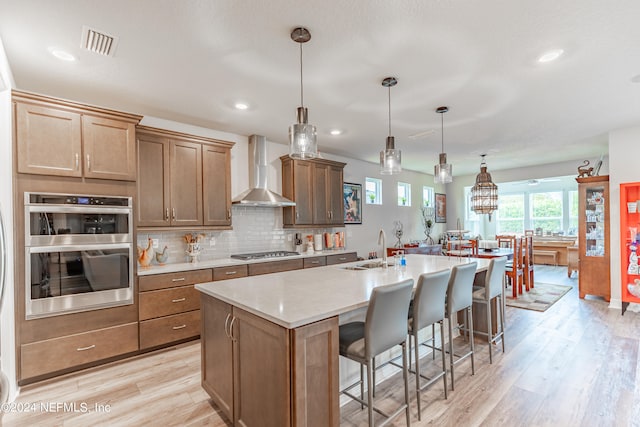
77 161
88 162
166 216
173 213
297 215
228 213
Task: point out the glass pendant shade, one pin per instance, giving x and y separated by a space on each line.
484 194
443 172
390 159
303 142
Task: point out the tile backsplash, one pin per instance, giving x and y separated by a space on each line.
255 229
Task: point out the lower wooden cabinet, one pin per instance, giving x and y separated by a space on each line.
169 307
57 354
167 329
259 373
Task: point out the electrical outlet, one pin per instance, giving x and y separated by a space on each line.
156 243
212 241
289 238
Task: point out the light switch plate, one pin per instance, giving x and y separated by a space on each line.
212 241
156 243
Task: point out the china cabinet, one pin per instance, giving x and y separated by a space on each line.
629 243
593 255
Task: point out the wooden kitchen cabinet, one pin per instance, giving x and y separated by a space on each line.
316 187
62 138
594 255
184 181
169 307
236 376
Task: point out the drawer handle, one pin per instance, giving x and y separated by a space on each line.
179 327
182 279
231 329
179 299
86 348
226 324
342 259
229 273
315 262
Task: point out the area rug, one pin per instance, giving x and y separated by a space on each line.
540 298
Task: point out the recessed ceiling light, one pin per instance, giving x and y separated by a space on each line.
241 106
551 55
61 54
335 132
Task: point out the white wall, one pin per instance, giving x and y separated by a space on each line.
7 323
624 152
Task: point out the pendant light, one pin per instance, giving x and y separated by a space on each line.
442 172
390 158
302 136
484 194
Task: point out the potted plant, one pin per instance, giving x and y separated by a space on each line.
372 197
427 222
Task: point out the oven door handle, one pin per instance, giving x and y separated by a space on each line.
93 210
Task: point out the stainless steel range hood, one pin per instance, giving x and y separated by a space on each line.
259 194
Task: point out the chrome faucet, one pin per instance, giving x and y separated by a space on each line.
382 238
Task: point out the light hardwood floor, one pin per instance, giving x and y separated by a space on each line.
574 365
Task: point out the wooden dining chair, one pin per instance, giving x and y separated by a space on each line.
527 261
515 271
505 240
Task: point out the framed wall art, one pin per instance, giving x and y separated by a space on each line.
441 207
352 197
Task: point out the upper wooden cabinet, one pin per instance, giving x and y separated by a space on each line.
183 181
316 187
55 137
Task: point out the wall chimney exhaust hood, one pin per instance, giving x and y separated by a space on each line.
259 194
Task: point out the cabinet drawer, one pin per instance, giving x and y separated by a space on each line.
275 266
73 350
340 258
223 273
170 280
168 301
317 261
170 328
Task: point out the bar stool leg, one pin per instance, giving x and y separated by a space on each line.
489 331
444 359
405 373
473 368
370 391
451 351
362 385
417 375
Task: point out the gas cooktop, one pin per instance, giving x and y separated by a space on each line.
261 255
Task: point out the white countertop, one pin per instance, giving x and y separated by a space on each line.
295 298
224 262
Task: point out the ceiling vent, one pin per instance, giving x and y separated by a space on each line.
98 41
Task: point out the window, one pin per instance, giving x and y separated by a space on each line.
404 194
546 211
573 213
374 191
510 215
427 196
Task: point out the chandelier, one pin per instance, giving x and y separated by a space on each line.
302 136
484 194
390 158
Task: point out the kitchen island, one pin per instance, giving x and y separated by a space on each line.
270 343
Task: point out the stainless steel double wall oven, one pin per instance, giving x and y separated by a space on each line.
78 253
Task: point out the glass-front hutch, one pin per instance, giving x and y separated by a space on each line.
594 268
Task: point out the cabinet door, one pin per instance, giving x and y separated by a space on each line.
303 192
153 182
48 141
216 185
109 148
321 206
186 183
261 370
217 358
334 197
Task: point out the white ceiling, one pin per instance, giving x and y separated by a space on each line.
190 61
